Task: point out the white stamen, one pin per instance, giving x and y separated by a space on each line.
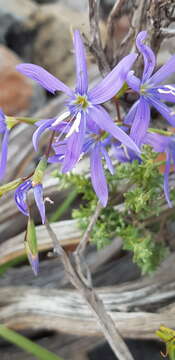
81 156
125 151
170 90
47 199
75 126
62 157
61 118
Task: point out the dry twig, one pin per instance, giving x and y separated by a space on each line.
94 302
153 16
95 45
111 24
84 240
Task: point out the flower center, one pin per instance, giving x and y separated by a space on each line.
143 89
82 101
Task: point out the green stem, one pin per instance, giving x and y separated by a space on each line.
26 120
65 205
27 344
161 132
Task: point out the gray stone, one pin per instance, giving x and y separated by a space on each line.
53 47
45 38
18 9
78 5
42 34
45 1
13 13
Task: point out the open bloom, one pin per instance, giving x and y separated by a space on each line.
4 130
94 145
83 105
21 196
161 143
151 92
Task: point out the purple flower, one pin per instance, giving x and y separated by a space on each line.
122 153
21 197
5 137
165 144
95 146
151 92
83 104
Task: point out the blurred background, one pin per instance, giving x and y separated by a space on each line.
40 32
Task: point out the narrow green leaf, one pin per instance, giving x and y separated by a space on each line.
27 345
4 267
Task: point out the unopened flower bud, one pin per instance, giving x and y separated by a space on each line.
31 246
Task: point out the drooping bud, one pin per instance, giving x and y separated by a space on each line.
31 246
38 188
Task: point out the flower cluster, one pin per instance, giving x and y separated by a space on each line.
87 128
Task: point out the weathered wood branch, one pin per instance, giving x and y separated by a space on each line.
69 235
66 311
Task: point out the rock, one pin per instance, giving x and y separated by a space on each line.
78 5
13 16
18 9
17 93
53 47
45 1
13 12
46 38
53 41
42 34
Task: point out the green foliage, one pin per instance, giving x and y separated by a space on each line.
106 226
147 253
146 190
135 196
